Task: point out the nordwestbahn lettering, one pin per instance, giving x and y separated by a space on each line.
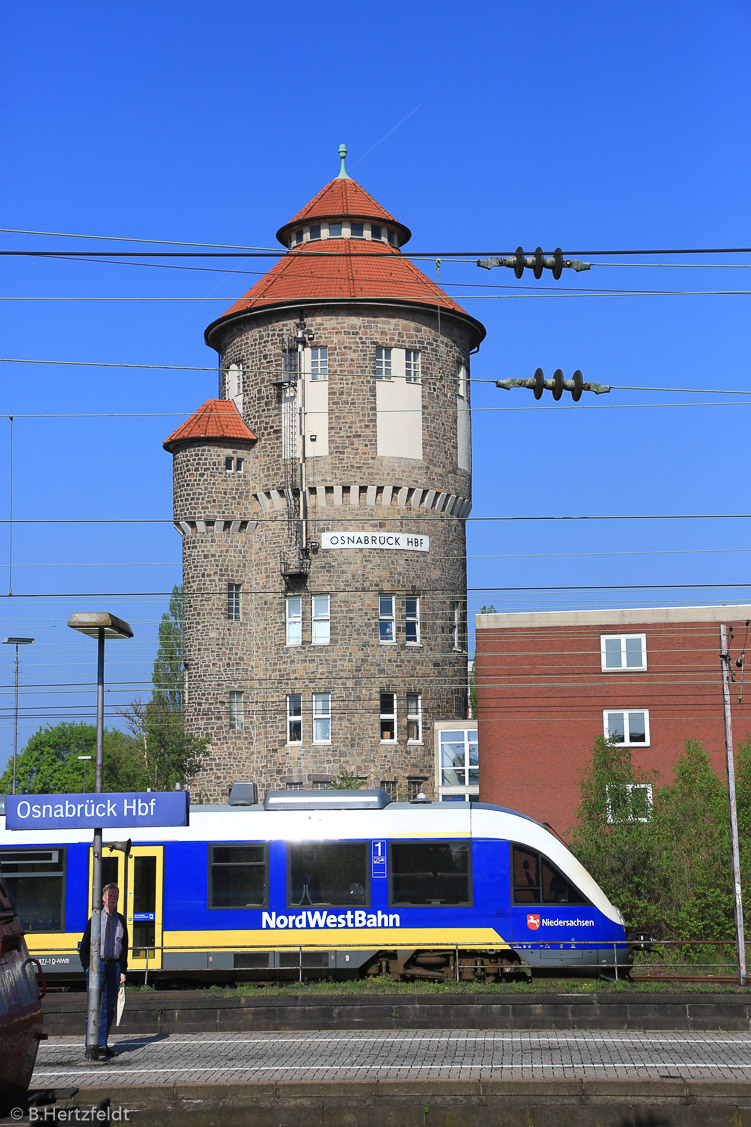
78 811
350 918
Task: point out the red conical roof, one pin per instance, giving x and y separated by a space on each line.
343 267
343 198
216 419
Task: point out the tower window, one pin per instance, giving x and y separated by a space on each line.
414 718
335 230
383 363
376 232
315 231
236 711
411 365
294 718
294 620
388 717
321 718
386 633
296 238
321 615
357 230
412 619
319 363
233 601
391 236
234 465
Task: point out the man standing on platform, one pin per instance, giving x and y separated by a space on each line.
114 963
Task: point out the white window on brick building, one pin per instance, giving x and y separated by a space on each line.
626 727
459 765
294 718
321 718
233 385
623 652
411 365
386 631
412 619
234 596
388 717
456 624
234 465
383 363
293 607
414 718
629 802
321 619
236 711
319 363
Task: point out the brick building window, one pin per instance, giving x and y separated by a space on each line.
462 382
388 717
294 718
321 718
321 619
236 711
412 619
294 786
383 363
386 631
459 765
623 651
411 365
234 595
629 802
390 786
234 465
293 609
319 363
414 788
414 718
627 728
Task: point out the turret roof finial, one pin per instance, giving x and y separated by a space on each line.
342 171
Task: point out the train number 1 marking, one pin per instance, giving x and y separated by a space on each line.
378 856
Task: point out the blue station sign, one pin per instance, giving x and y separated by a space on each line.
77 811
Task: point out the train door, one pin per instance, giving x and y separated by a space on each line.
145 903
113 872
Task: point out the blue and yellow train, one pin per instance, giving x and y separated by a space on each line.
323 883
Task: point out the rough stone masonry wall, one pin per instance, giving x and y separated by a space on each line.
251 655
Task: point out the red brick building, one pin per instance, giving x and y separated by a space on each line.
548 683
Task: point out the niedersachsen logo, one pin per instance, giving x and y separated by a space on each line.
547 921
330 919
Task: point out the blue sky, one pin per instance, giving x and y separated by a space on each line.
596 127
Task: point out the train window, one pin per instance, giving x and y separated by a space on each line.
430 872
35 880
537 882
237 876
328 872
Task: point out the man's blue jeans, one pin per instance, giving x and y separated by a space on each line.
110 984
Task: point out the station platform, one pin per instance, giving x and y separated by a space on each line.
405 1078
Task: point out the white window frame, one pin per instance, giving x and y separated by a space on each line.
385 617
386 716
293 620
456 625
236 710
630 787
384 362
626 712
319 362
412 619
321 718
234 602
320 619
412 366
294 716
462 383
414 718
623 639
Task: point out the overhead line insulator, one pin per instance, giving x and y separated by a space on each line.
536 262
576 385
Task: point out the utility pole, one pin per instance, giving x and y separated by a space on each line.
737 896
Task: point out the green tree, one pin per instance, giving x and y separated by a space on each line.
168 753
49 762
610 839
345 780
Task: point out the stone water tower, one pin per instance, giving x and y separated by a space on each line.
322 503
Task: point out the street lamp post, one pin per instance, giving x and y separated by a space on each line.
84 759
99 625
16 642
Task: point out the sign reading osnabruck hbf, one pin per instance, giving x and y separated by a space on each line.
76 811
406 541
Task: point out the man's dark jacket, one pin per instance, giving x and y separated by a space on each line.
84 950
